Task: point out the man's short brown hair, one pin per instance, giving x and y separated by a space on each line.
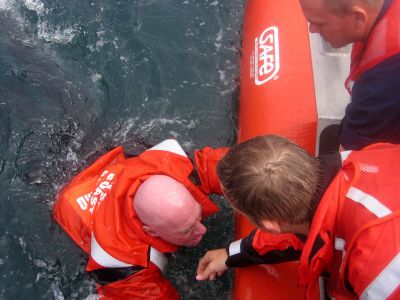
269 178
344 6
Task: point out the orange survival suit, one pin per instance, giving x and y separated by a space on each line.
383 42
96 210
354 234
358 223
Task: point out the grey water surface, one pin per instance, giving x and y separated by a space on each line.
78 78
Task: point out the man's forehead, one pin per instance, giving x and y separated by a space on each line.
196 212
316 14
314 7
194 215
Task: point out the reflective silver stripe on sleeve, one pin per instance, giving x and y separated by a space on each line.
158 259
339 244
234 248
170 145
369 202
103 258
385 283
345 154
322 288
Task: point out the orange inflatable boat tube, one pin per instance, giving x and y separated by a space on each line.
276 97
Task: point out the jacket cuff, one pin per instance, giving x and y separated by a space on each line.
234 251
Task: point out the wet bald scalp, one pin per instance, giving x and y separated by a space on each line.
161 201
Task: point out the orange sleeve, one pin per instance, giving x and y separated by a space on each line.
373 260
264 242
146 284
206 163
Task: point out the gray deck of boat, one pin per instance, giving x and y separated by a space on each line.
330 69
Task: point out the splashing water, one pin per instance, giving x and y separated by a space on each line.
78 78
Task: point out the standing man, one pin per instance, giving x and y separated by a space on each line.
374 80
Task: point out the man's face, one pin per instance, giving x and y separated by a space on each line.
188 230
336 29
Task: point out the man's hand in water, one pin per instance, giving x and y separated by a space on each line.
212 264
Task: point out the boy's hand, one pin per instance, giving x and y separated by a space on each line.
212 264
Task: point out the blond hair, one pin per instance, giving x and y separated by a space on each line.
270 178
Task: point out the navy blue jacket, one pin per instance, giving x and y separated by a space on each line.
373 115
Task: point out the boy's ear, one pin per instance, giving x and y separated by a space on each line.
271 226
149 231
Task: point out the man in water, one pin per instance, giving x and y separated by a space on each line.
125 213
374 28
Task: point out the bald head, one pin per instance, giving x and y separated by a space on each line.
168 210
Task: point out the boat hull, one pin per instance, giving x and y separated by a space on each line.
276 97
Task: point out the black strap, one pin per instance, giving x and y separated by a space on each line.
109 275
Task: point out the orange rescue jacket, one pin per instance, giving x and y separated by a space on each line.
358 221
96 210
383 42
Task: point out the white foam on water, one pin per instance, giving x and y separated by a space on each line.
189 32
132 126
6 4
100 43
164 121
218 40
187 145
92 297
22 243
50 34
91 48
138 25
173 134
115 44
39 263
56 291
71 157
55 35
219 35
228 91
96 77
222 77
35 5
19 22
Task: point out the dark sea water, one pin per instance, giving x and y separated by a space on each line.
78 78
